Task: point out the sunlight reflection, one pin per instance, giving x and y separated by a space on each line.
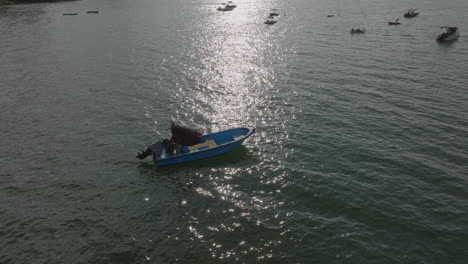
230 68
228 74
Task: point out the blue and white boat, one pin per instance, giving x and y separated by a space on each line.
210 145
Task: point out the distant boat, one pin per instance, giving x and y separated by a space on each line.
411 13
358 31
271 21
394 23
210 145
92 12
274 14
450 34
70 14
227 7
330 15
224 9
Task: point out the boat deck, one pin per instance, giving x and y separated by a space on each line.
208 143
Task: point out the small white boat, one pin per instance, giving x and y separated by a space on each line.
397 22
450 34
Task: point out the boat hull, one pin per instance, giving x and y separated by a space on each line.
211 151
443 38
410 15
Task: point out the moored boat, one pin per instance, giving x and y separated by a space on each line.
450 34
227 7
411 13
394 23
209 145
357 31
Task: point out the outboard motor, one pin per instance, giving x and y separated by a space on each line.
180 136
155 149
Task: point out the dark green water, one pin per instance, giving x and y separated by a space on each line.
360 154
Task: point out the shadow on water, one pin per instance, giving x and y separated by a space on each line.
182 176
446 44
239 156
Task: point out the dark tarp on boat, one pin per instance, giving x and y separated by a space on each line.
184 136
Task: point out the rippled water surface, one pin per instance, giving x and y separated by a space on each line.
360 154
